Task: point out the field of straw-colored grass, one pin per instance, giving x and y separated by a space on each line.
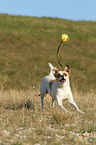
22 121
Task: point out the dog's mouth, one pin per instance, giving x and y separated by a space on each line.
62 80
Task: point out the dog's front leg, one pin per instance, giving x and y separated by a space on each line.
72 102
59 103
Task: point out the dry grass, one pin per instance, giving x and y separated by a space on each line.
24 122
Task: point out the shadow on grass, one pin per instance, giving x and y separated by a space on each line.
28 105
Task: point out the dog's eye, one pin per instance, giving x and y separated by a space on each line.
65 74
58 75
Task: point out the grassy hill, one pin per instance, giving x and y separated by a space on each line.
27 44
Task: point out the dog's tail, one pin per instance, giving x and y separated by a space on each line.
51 68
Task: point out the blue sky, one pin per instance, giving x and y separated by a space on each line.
65 9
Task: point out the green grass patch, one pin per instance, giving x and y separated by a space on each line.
27 44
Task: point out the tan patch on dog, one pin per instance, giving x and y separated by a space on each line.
67 69
66 73
56 74
50 84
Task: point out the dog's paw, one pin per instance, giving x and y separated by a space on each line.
82 112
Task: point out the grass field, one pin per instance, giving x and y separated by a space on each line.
22 121
27 44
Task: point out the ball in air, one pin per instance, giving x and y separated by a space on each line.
64 37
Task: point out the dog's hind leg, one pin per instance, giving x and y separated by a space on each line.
75 106
42 101
53 102
43 94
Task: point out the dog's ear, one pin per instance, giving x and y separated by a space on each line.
55 71
67 68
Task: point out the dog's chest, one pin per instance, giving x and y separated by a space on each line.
63 92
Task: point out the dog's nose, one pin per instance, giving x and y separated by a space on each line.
62 76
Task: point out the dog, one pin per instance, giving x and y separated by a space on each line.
58 86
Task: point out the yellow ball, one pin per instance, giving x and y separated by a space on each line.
64 37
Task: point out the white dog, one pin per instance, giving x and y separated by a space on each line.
58 86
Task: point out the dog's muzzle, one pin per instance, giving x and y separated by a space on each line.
62 80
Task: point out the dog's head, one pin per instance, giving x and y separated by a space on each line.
62 76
